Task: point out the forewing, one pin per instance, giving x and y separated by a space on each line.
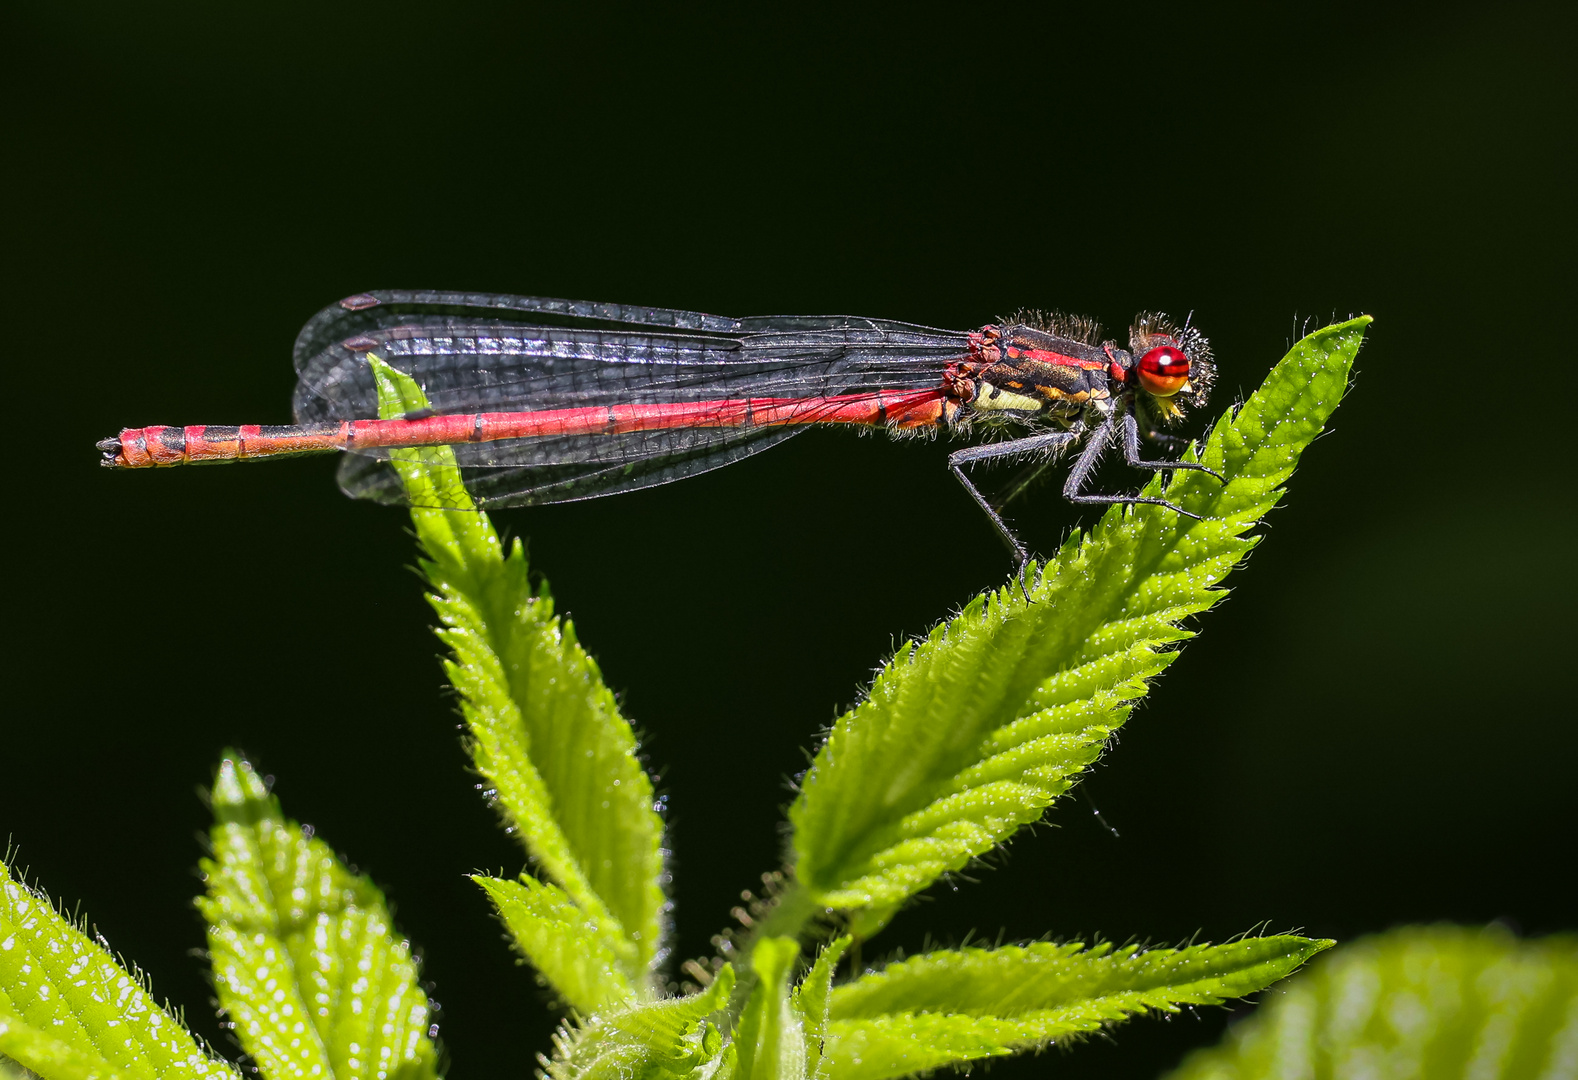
466 366
383 308
501 368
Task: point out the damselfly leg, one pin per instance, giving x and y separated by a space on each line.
1048 444
1085 464
1124 428
1131 454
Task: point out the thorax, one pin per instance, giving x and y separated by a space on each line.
1019 370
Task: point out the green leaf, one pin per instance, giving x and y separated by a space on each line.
662 1040
948 1008
566 945
305 959
10 1070
810 1001
973 732
770 1037
1415 1002
70 1011
559 760
49 1056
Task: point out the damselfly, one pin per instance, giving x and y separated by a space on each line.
547 400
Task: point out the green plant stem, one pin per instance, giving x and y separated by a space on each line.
788 916
792 910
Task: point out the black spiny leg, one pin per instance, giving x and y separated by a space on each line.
1086 462
1131 451
1048 443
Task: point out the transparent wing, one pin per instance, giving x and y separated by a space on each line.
371 311
466 368
472 353
630 461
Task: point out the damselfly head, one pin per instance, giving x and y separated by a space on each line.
1172 365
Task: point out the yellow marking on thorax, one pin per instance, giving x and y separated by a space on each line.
992 397
1056 394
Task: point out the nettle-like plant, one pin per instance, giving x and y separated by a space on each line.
1418 1001
963 738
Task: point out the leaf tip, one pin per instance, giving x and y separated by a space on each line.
236 782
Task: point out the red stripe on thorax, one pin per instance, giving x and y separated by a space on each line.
1046 356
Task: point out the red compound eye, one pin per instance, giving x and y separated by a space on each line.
1164 370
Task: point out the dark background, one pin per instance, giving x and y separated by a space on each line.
1375 729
